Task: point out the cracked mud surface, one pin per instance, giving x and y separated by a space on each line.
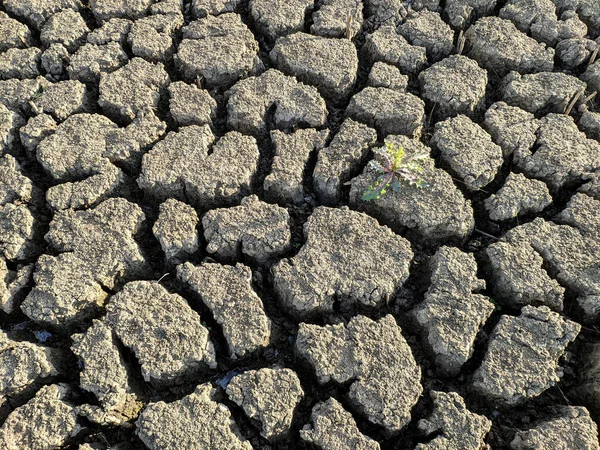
186 260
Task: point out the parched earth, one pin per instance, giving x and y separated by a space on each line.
187 263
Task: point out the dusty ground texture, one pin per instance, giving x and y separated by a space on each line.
187 262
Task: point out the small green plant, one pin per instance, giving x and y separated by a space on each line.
394 167
497 307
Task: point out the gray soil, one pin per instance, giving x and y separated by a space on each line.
188 262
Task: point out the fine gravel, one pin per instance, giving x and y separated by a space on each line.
189 259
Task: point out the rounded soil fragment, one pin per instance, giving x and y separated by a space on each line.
436 212
370 267
330 64
163 331
522 356
269 396
453 425
255 230
375 358
455 85
295 104
220 50
227 291
332 428
196 422
499 47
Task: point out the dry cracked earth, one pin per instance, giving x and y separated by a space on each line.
186 260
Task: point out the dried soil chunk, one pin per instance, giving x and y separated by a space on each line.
388 111
275 18
386 45
114 30
86 159
25 366
427 29
179 166
436 212
66 27
592 187
150 38
77 146
63 99
91 61
541 92
522 356
375 356
330 351
167 166
334 428
103 238
571 429
254 229
330 64
468 150
10 122
196 422
65 293
176 230
538 17
571 256
296 104
132 88
54 60
517 277
43 423
15 94
518 196
104 371
228 293
592 76
499 47
574 52
385 11
20 63
191 106
36 12
17 232
562 154
456 427
167 7
336 163
583 213
269 396
367 270
202 8
13 34
331 20
35 131
128 145
14 186
463 12
128 9
166 335
13 283
455 85
431 5
219 49
511 128
388 76
453 312
590 124
292 153
588 10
